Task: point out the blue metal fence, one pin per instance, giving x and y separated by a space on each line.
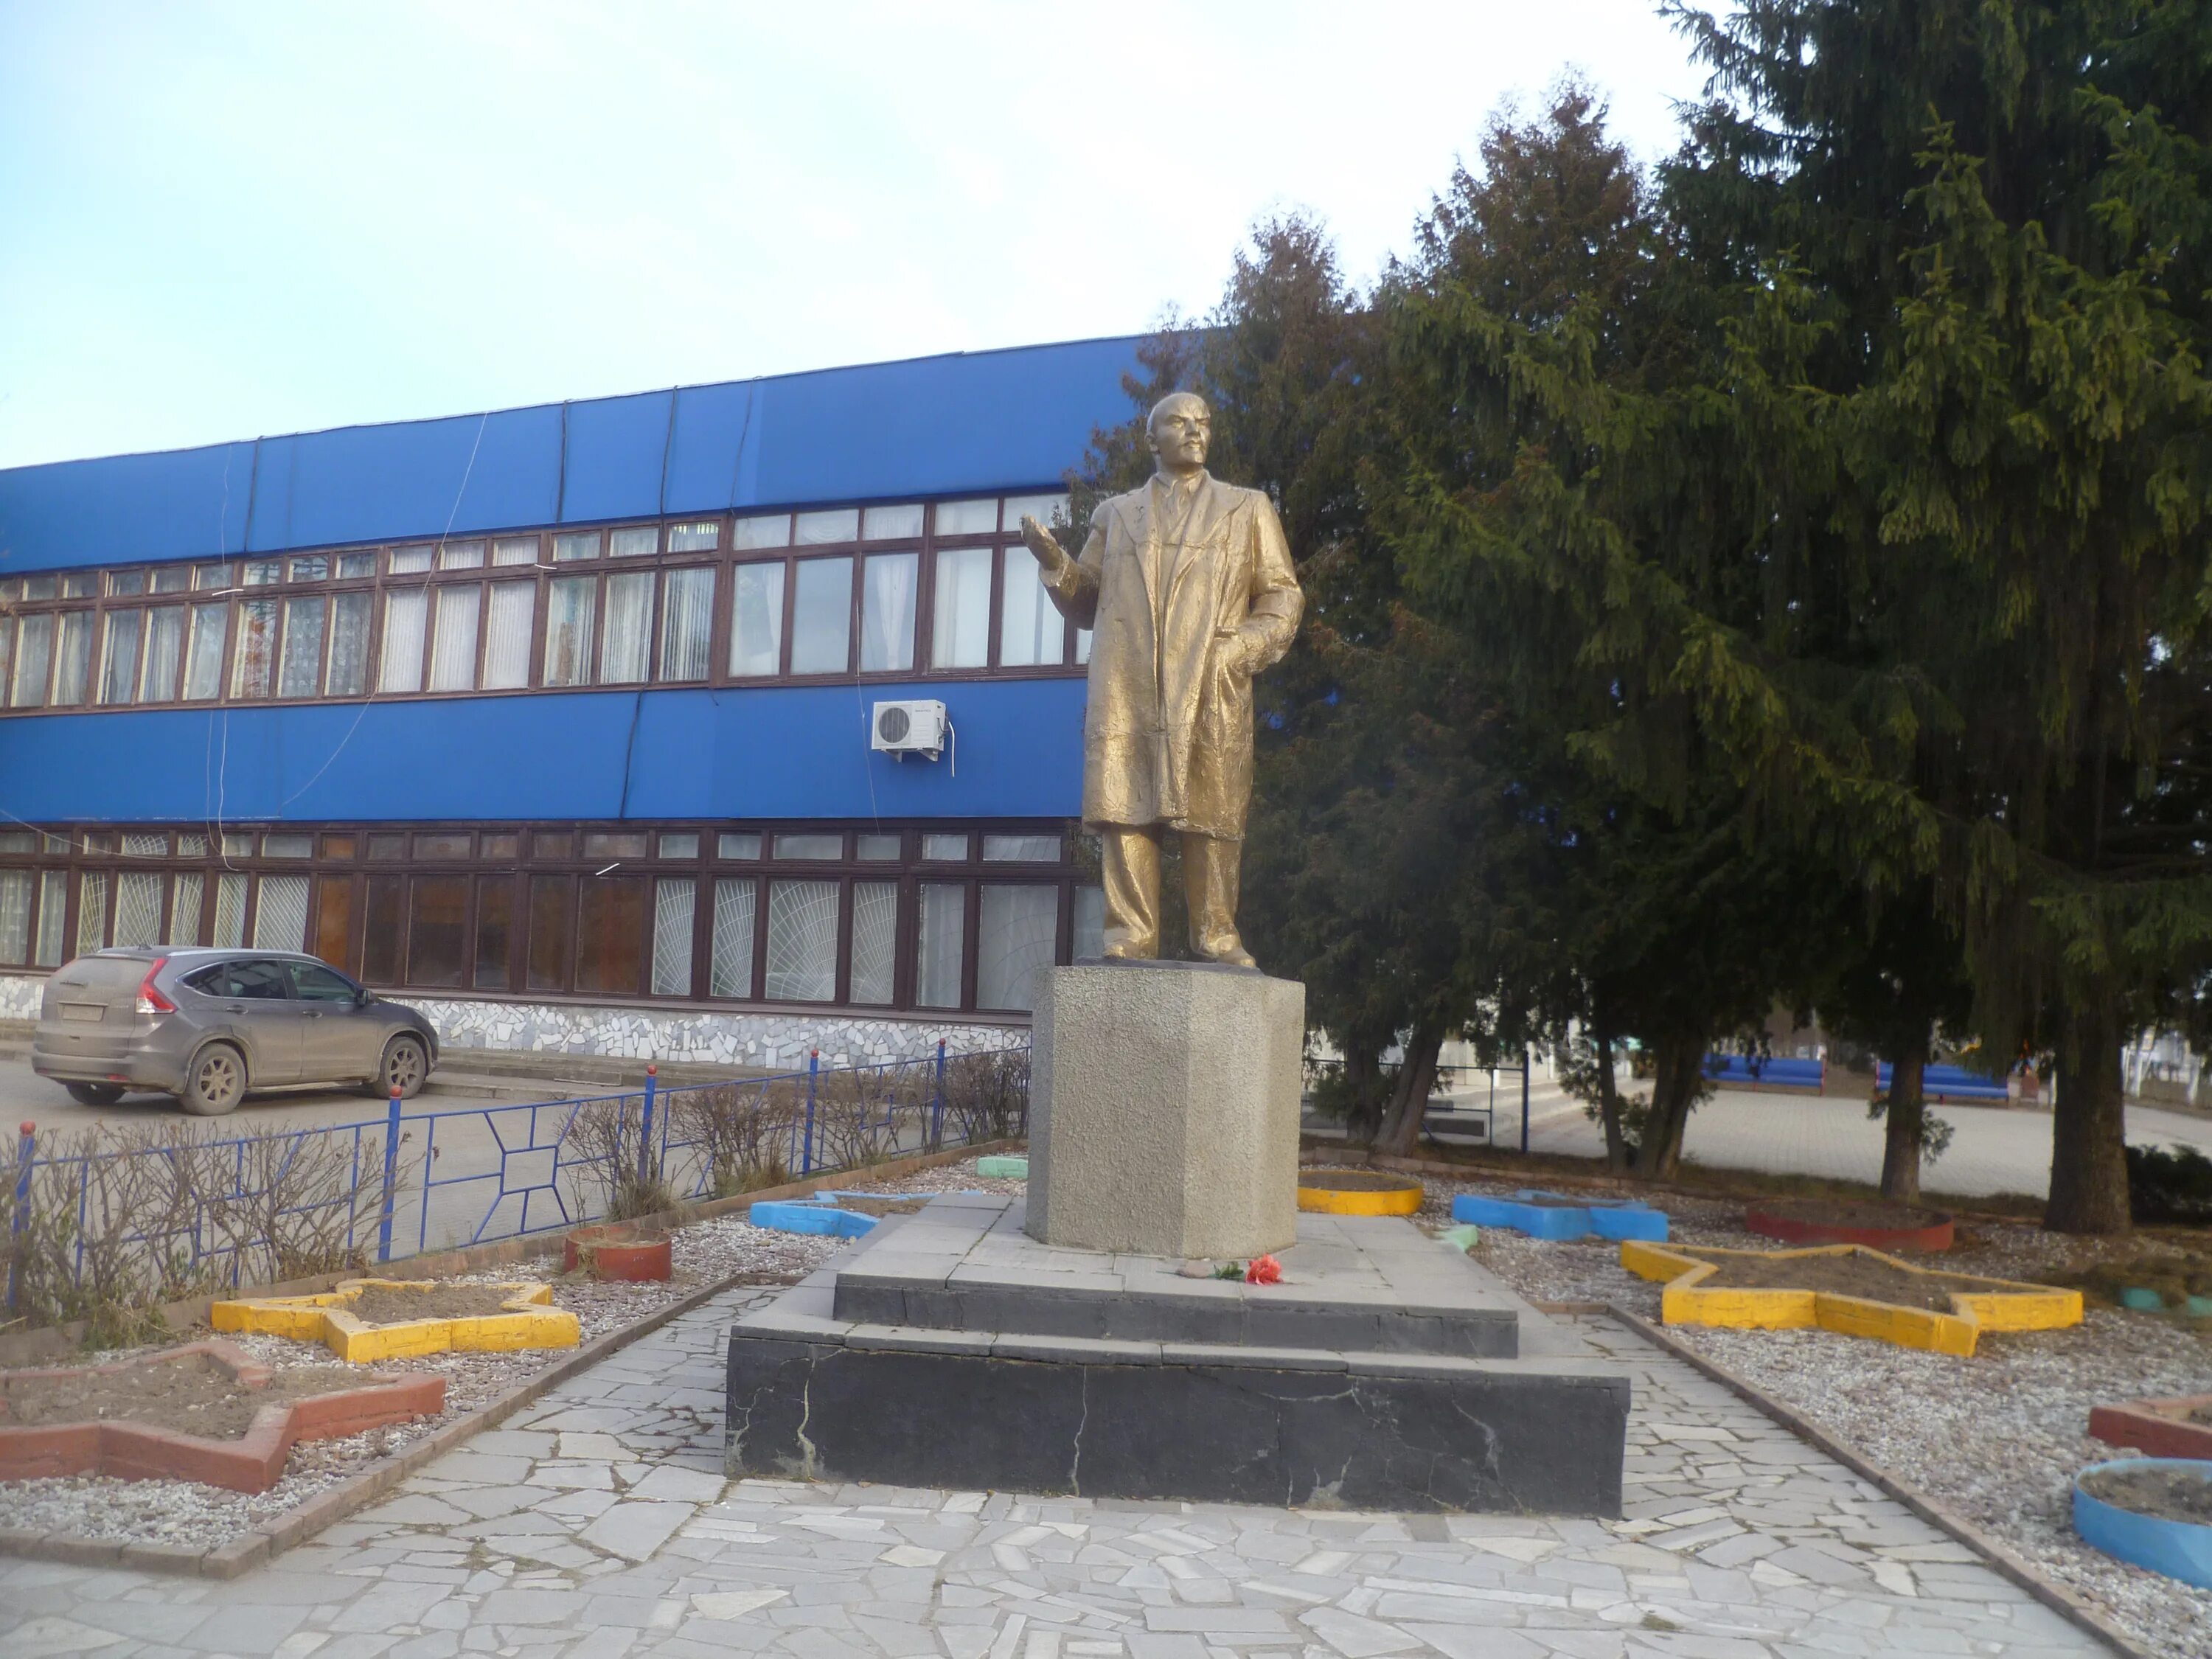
198 1212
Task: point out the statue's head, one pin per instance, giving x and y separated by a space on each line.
1181 427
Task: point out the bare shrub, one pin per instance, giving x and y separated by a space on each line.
987 1095
115 1220
611 1172
739 1133
865 1115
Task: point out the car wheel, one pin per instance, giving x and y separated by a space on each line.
217 1082
93 1094
405 1065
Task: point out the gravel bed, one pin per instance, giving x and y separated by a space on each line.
1998 1438
185 1512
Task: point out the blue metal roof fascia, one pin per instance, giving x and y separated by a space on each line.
181 504
768 751
931 426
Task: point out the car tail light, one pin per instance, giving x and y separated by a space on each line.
150 1000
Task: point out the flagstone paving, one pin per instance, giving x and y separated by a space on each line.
597 1525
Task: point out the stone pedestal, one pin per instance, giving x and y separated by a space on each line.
1163 1110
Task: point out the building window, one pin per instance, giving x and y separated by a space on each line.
738 844
568 614
629 628
348 670
674 901
763 530
185 892
507 635
514 550
118 656
72 657
203 662
254 663
15 916
611 935
91 912
633 541
1021 849
887 595
437 929
757 621
280 914
939 847
821 618
820 847
406 613
968 518
53 912
1017 931
876 848
453 643
960 621
875 941
549 911
576 545
164 652
701 536
33 662
687 623
840 524
303 647
892 524
495 933
940 945
1031 634
380 930
730 971
802 941
461 556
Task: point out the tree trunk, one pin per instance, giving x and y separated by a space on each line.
1678 1063
2088 1129
1608 1106
1903 1120
1362 1077
1402 1124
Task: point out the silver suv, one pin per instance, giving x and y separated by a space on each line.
206 1026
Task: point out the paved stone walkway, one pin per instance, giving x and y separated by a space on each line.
598 1526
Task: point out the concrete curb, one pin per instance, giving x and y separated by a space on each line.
2069 1606
250 1550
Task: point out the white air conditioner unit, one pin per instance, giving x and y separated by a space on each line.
916 727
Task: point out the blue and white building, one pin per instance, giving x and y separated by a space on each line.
557 720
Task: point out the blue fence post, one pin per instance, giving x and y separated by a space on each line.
391 1181
645 1169
937 1103
25 1148
806 1153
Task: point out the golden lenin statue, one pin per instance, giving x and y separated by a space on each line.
1187 586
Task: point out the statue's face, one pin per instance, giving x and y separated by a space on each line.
1181 430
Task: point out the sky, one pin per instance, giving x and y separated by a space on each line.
221 221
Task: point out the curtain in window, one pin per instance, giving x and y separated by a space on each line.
91 911
164 652
507 635
802 941
611 912
629 628
204 662
875 939
1031 631
453 646
6 653
118 656
72 657
514 550
939 946
887 588
34 658
569 630
757 620
53 907
229 911
821 618
15 915
960 624
254 657
674 901
437 929
404 613
730 973
1090 923
302 666
687 622
495 932
348 671
280 919
184 909
1016 933
137 908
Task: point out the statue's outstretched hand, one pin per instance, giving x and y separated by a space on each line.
1049 552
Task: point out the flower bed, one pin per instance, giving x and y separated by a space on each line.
1826 1221
204 1412
2158 1428
370 1319
617 1250
1847 1288
1358 1192
1549 1216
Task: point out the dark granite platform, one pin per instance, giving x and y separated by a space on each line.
1387 1373
1355 1283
